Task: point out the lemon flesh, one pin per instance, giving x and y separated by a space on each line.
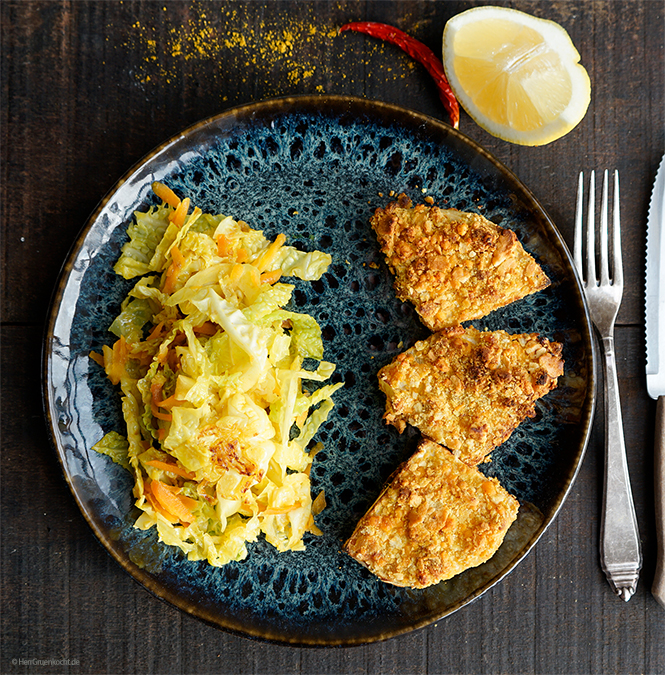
517 76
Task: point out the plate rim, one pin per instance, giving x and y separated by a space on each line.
281 105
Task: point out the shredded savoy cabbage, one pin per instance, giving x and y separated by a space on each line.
210 366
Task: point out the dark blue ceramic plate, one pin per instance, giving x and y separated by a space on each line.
315 168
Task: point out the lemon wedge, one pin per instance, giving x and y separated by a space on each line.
516 75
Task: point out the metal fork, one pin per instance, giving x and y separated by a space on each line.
620 550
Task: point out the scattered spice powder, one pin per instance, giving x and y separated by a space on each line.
259 46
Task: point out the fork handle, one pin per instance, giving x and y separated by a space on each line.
620 550
658 587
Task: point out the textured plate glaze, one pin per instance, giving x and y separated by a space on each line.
315 168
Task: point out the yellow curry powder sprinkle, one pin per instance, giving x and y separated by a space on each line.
261 49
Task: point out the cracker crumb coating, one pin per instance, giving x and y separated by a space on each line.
453 266
467 389
435 519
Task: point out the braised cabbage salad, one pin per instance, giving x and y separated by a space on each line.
211 368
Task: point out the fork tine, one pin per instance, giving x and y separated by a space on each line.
617 264
577 245
591 233
604 238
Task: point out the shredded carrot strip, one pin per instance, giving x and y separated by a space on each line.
173 360
242 255
161 434
236 273
270 253
169 402
207 328
163 352
166 194
223 246
174 269
156 396
172 468
300 420
120 351
156 331
107 355
156 391
179 215
175 490
167 353
115 360
97 358
254 276
188 501
167 417
271 277
171 502
156 505
279 510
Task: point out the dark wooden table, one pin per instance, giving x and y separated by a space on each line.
88 88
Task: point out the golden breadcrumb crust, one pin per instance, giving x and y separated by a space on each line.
435 519
453 266
467 389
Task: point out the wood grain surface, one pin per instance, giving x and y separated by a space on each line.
88 88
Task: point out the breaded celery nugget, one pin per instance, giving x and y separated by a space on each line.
453 266
435 519
467 389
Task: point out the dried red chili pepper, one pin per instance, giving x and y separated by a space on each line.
416 50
